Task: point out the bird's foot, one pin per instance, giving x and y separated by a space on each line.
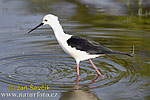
101 75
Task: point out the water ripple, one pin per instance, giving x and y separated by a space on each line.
59 71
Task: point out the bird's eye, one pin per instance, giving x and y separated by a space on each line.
46 20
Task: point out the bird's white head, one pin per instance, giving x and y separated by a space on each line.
50 19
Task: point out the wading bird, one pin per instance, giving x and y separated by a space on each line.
78 47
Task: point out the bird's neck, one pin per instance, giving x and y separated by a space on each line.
58 30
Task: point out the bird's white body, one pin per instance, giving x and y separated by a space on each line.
77 54
62 40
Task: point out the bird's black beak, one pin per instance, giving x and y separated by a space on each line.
36 27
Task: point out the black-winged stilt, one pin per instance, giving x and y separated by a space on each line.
78 47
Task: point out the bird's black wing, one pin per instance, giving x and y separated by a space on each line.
88 46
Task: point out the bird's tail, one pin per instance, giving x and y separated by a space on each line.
124 53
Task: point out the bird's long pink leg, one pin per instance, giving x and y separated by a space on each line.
95 68
78 69
77 81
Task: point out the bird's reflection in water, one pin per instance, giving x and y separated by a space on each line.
79 94
93 81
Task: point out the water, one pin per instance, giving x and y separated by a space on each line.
37 58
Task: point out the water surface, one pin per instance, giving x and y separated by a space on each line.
38 59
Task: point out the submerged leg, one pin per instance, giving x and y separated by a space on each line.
95 68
